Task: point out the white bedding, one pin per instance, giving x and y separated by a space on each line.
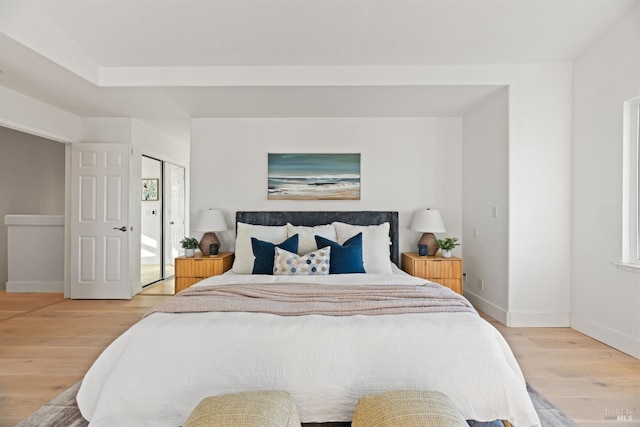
158 370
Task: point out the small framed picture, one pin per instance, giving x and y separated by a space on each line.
149 189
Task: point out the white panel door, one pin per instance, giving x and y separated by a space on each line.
99 221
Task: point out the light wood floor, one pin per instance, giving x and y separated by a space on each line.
149 273
47 343
166 287
586 379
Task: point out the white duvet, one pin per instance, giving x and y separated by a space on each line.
156 372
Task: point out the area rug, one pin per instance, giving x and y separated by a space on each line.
63 412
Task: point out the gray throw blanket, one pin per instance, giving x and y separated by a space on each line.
299 299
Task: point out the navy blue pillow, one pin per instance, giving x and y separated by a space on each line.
266 251
346 258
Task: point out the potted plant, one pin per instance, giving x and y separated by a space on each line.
189 244
447 245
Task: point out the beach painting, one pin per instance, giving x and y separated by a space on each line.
300 176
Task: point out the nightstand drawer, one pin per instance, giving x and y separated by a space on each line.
196 267
444 271
185 282
192 270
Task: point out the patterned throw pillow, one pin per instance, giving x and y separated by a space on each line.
288 263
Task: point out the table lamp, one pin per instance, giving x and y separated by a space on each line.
427 221
209 220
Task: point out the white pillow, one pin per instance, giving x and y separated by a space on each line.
289 264
306 239
243 262
376 255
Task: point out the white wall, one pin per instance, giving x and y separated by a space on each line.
540 197
406 164
605 301
485 187
106 129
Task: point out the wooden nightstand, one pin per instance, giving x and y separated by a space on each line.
445 271
192 270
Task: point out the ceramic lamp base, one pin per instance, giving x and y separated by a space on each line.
429 239
207 240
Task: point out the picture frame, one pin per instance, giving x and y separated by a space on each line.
150 189
313 176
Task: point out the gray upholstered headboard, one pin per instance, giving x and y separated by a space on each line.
311 218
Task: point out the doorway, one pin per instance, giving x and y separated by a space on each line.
162 219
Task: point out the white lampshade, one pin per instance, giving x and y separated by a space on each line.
210 220
427 221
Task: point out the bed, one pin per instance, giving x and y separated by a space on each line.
326 357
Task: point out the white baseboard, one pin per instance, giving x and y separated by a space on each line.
606 335
51 287
487 307
518 320
599 332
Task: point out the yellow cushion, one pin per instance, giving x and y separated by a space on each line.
407 408
248 409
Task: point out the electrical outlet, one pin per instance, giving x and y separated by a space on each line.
481 283
475 233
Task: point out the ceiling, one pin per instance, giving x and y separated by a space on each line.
126 33
167 58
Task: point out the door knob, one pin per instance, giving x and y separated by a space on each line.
123 228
